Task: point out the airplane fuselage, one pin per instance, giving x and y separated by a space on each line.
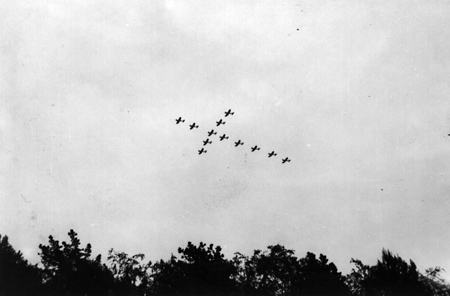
229 113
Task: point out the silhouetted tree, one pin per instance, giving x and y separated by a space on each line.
201 270
267 273
69 270
391 276
279 272
318 277
166 277
433 280
17 276
246 275
131 275
357 276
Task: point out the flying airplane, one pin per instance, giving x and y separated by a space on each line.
229 113
192 126
255 148
285 159
202 151
207 141
179 120
238 143
222 137
272 154
220 122
211 132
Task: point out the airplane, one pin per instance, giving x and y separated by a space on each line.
229 113
202 151
179 120
238 143
207 141
272 154
285 159
220 122
255 148
222 137
211 132
192 126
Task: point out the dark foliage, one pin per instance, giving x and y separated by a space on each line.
17 276
279 272
131 275
201 270
69 270
391 276
318 277
434 282
267 273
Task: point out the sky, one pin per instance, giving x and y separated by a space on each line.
354 93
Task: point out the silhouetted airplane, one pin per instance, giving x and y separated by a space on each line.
179 120
272 154
229 113
255 148
238 143
220 122
211 132
192 126
207 141
285 160
202 151
222 137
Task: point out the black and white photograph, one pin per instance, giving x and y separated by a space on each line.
229 148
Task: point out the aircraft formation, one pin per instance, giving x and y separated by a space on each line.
225 137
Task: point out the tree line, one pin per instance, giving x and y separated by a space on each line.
67 268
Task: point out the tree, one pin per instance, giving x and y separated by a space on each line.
318 277
356 277
433 280
69 270
391 276
201 270
17 276
131 275
270 272
279 272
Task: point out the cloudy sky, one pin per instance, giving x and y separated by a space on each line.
356 94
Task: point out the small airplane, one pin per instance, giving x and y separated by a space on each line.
192 126
220 122
229 113
179 120
238 143
255 148
211 132
285 160
202 151
272 154
207 141
222 137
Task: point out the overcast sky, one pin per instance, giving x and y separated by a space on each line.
355 93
